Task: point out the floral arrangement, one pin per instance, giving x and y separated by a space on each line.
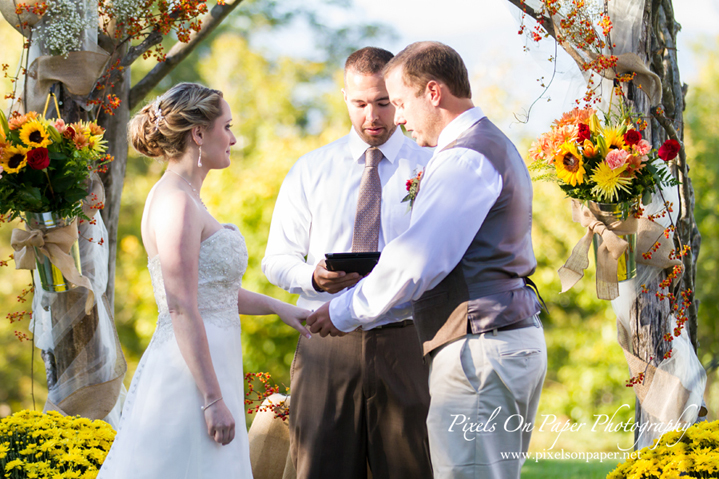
45 164
252 396
602 161
33 444
690 453
412 186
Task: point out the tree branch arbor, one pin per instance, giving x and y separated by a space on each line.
655 44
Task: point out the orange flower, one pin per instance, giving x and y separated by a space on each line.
81 141
95 129
635 163
18 121
575 117
588 149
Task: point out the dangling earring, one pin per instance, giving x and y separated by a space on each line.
199 157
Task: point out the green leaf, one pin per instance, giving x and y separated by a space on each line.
31 196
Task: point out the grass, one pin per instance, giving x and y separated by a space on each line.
567 469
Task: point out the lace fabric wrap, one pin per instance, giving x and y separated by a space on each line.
87 362
223 261
671 393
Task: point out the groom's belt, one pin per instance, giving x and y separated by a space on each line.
524 323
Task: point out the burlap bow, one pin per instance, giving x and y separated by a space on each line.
608 253
54 243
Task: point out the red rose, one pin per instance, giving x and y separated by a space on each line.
408 184
632 137
584 132
669 150
38 159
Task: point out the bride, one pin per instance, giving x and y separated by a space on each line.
184 413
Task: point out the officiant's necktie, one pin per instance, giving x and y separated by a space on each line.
367 219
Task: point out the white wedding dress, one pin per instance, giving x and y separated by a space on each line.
162 432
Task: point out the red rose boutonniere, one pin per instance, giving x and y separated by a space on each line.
412 189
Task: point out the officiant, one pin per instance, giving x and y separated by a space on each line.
359 399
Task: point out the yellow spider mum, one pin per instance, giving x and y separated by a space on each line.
14 158
35 135
609 182
569 164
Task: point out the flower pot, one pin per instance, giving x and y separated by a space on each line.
613 214
51 278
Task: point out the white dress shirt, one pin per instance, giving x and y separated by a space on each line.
458 188
315 213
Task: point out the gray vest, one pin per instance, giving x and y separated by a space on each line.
486 290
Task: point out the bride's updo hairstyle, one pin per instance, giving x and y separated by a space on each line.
162 128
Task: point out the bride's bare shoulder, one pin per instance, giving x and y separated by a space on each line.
172 211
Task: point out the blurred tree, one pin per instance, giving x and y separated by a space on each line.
703 153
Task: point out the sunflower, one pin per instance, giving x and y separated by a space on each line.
610 139
14 158
569 164
35 135
609 182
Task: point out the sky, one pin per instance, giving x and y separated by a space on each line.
484 32
506 81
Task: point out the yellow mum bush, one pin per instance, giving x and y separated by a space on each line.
52 446
690 453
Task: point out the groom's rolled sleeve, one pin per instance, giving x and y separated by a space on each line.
458 190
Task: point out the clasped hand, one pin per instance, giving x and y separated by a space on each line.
320 322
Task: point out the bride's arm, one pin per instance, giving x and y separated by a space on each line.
175 221
258 304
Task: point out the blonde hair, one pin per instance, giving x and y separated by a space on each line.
162 128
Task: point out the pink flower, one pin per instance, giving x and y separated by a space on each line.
643 147
60 125
616 159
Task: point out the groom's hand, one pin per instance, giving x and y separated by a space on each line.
320 322
333 281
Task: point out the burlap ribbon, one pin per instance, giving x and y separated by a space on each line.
55 243
608 253
78 72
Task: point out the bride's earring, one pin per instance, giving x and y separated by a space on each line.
199 157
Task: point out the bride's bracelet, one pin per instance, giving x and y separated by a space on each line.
202 408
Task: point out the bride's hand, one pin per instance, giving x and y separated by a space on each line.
293 316
220 423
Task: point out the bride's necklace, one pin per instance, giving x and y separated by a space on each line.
190 185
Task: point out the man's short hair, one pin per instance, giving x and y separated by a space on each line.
423 62
368 60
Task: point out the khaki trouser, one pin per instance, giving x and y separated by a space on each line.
485 390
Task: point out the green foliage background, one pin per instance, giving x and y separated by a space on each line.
280 114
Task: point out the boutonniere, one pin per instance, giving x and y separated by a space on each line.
412 189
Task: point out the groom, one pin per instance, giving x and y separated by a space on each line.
464 262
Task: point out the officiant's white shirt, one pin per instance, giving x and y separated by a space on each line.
315 211
458 188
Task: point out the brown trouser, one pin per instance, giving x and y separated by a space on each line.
360 399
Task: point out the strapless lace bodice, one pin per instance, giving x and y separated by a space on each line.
223 261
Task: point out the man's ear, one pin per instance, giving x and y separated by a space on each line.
433 92
344 95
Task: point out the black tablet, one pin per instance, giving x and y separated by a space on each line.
361 263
